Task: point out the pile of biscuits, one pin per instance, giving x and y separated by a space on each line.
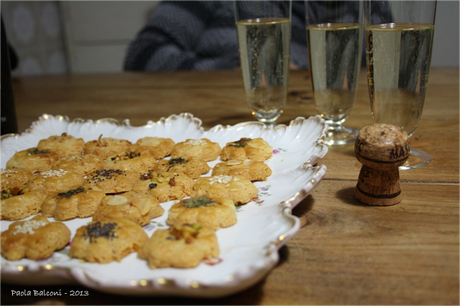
121 185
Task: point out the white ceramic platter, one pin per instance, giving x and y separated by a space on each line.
248 249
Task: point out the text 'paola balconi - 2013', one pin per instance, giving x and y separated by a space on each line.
49 293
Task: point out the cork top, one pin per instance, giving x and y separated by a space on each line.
382 142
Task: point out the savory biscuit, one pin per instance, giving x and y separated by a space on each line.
19 203
15 177
33 159
35 239
79 163
131 160
210 213
55 180
158 147
250 169
192 167
165 186
247 148
239 189
134 206
202 148
105 147
63 145
182 247
107 240
78 202
112 180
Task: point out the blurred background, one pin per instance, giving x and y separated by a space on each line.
60 37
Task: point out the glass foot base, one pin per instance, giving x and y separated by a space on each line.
267 118
417 159
341 136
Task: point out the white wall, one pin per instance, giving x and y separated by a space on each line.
98 32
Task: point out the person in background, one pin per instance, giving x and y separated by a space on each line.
201 35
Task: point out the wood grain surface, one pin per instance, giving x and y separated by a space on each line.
346 252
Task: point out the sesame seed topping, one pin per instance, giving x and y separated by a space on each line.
222 179
8 171
196 142
29 227
50 173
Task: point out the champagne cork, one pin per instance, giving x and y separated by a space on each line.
380 148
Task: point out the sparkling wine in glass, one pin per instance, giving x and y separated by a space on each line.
399 44
334 41
264 36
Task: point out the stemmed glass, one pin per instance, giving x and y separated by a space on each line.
264 36
399 39
334 41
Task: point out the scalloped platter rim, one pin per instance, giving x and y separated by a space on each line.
245 259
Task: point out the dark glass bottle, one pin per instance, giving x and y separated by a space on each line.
9 120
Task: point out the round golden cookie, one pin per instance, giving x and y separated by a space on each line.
63 145
134 206
19 203
158 147
210 213
79 163
246 148
33 159
182 247
107 240
165 186
105 147
239 189
203 149
112 180
15 177
131 160
250 169
192 167
77 202
55 180
35 239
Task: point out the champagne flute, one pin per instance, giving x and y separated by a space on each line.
264 36
334 41
399 42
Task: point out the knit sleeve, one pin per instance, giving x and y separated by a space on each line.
170 38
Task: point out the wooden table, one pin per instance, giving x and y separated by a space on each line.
345 252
